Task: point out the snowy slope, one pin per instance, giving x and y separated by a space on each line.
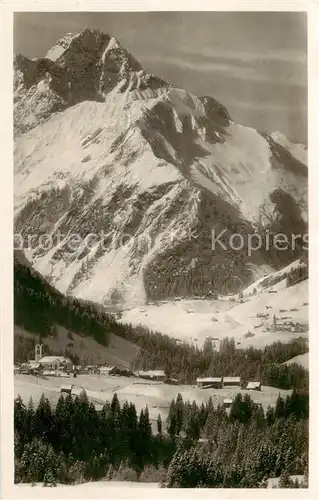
157 396
301 359
248 320
109 153
299 151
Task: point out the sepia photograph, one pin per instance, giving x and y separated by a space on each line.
160 285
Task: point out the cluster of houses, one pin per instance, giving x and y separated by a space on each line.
63 367
47 366
153 375
224 382
280 323
221 382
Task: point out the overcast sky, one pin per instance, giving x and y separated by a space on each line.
255 63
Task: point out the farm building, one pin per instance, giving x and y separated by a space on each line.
76 390
105 370
34 366
49 373
124 372
231 381
171 381
254 386
227 403
215 382
158 375
67 389
56 363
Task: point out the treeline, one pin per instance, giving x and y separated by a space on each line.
74 442
242 449
187 362
39 307
201 446
298 274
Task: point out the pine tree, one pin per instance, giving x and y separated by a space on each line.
159 425
270 415
172 420
280 411
43 420
179 412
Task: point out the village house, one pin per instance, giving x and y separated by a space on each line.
34 367
214 382
56 363
254 386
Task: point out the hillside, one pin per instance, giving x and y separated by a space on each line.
63 324
247 317
301 359
114 155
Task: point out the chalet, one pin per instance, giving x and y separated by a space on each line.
254 386
227 403
213 382
231 381
158 375
67 388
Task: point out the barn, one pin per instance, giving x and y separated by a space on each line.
213 382
158 375
231 381
66 389
171 381
105 370
254 386
120 371
227 402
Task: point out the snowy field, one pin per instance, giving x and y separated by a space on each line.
194 320
157 396
273 482
98 484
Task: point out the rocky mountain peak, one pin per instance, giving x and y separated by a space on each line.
79 67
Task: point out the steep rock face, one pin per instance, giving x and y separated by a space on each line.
81 67
141 173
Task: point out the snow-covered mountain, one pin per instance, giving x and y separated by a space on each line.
103 147
299 151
